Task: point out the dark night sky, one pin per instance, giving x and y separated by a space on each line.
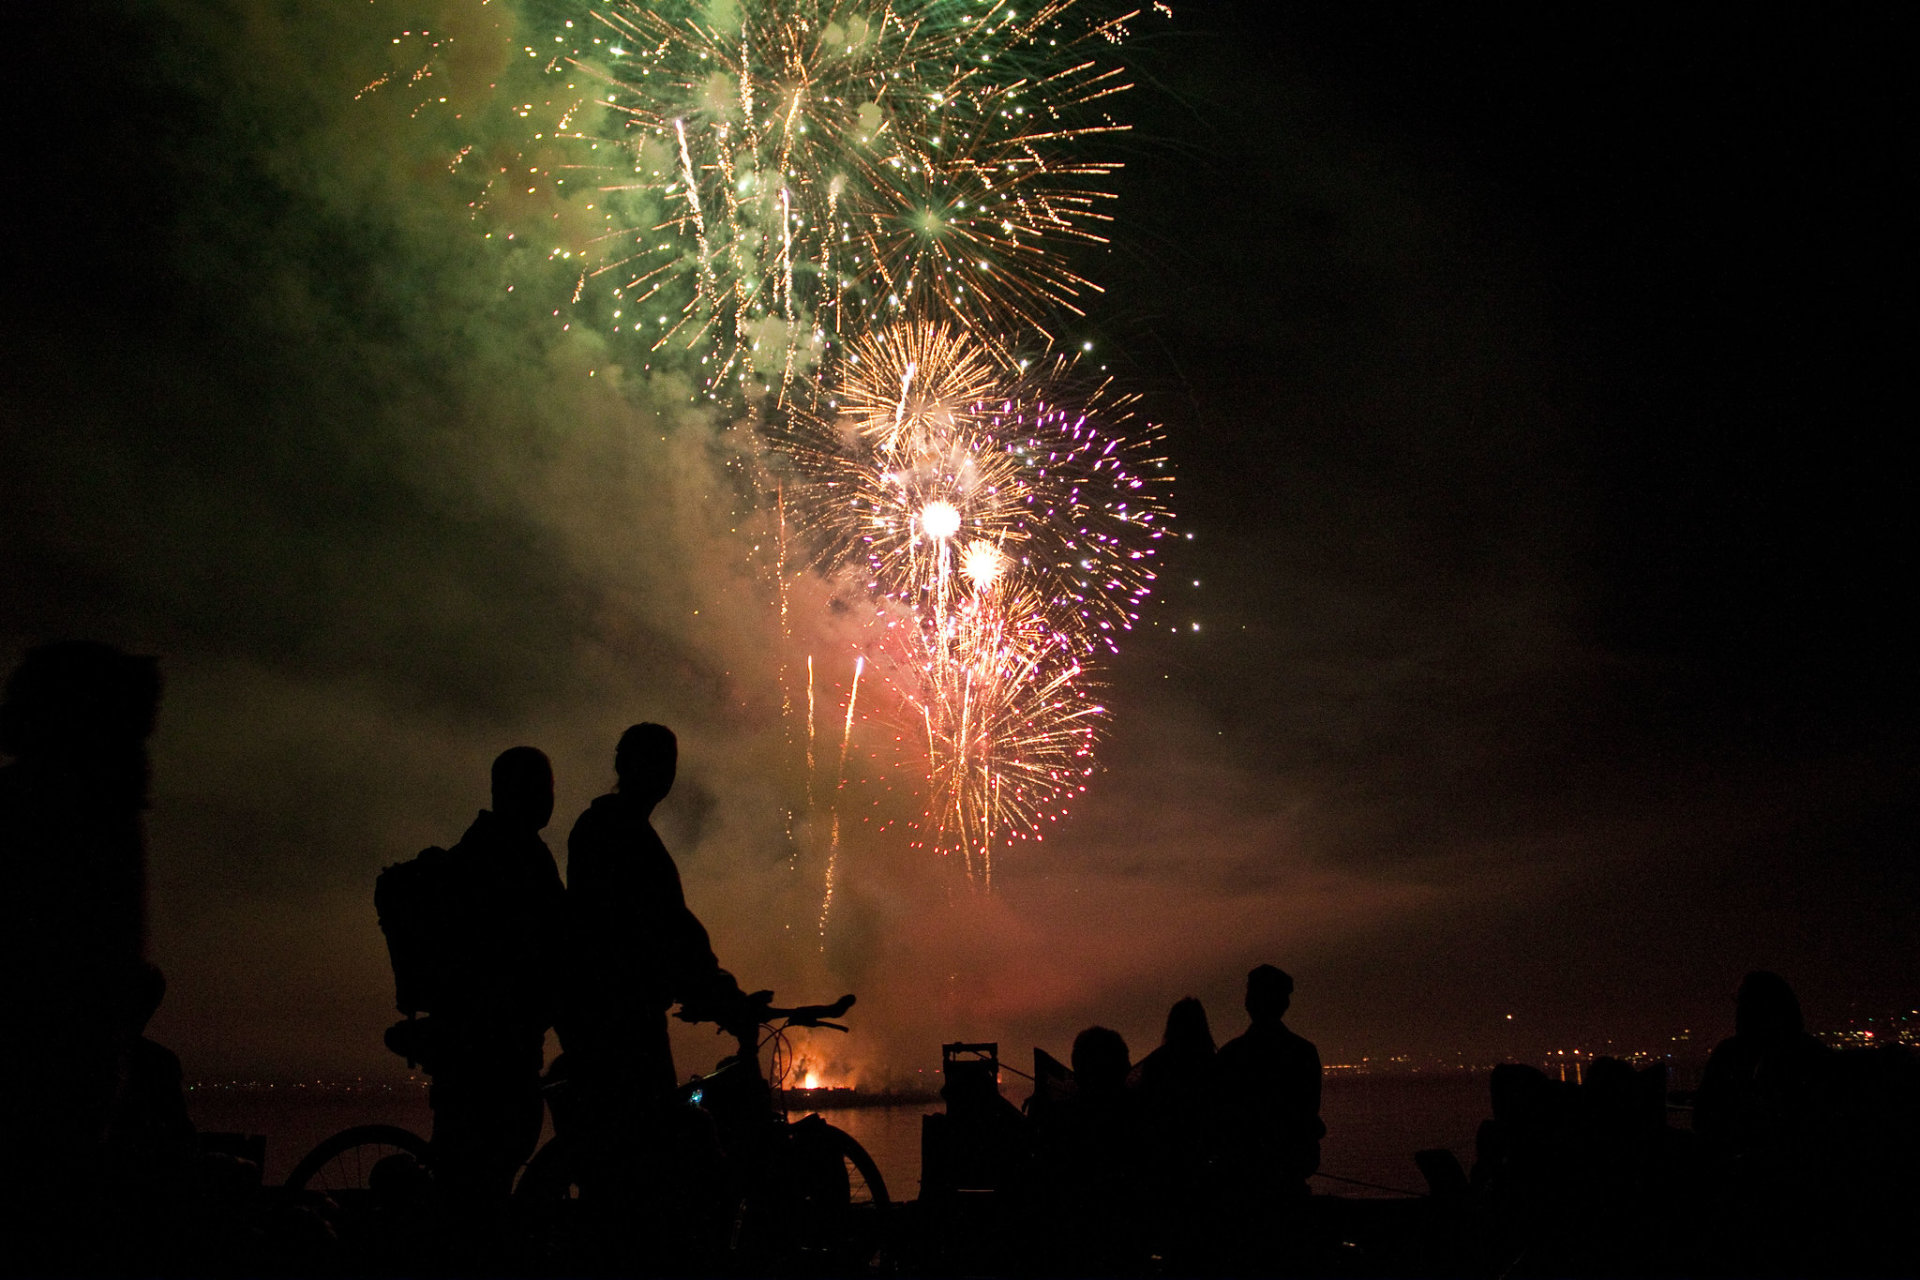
1530 377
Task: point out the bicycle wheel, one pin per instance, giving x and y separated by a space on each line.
345 1162
834 1215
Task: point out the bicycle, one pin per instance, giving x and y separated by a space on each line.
805 1195
346 1161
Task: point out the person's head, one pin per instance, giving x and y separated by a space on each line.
1523 1097
1766 1007
1269 994
1100 1062
1187 1027
645 762
523 788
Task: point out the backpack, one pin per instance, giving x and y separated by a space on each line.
412 900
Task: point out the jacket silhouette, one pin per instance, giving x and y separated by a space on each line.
502 913
635 947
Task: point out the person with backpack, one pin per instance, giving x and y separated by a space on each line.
474 932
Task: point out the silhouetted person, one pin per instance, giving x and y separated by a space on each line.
497 997
1756 1094
1267 1086
1182 1066
1608 1191
1755 1114
635 951
1521 1163
1089 1156
1267 1126
1173 1086
75 719
152 1147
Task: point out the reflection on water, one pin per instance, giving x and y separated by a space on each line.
1374 1124
891 1136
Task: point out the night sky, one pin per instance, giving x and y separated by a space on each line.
1530 375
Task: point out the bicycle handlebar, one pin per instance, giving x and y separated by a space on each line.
806 1015
813 1015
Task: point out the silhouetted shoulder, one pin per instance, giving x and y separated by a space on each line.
608 820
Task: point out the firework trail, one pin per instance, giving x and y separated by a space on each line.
809 731
1008 725
840 782
822 168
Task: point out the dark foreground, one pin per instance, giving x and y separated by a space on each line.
1452 1232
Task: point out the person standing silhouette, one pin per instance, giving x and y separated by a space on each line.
648 1169
490 1021
636 947
1267 1131
1759 1117
1174 1089
635 950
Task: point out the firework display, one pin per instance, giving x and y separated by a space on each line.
1008 724
1008 538
828 167
857 216
941 478
858 213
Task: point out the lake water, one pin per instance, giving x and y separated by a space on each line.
1374 1124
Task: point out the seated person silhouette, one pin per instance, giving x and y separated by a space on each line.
635 950
502 908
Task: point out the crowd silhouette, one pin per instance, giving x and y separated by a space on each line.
1198 1160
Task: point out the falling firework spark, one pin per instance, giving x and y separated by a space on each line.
819 168
840 783
1008 726
809 731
